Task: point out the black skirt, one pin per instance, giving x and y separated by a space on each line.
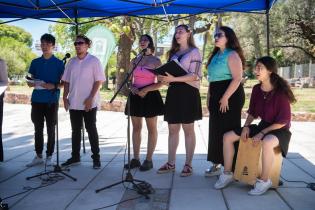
283 134
220 123
182 104
150 106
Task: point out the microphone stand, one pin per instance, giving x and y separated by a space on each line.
57 167
142 187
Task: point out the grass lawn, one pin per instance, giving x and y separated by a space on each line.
305 97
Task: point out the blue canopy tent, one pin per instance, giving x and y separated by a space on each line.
103 9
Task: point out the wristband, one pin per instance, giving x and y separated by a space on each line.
262 132
56 86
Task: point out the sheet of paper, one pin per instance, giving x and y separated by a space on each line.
3 88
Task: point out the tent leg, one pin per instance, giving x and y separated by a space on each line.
76 22
268 32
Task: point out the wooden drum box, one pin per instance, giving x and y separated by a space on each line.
248 163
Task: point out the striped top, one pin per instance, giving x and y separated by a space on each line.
191 63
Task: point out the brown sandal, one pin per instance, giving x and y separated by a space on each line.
167 167
187 171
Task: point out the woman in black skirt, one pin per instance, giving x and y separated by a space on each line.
225 94
145 102
270 101
183 103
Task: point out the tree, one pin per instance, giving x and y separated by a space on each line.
299 26
292 35
16 33
126 30
17 55
15 49
250 31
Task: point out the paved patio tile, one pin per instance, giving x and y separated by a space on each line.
173 191
238 199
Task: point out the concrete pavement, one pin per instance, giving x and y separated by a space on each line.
172 191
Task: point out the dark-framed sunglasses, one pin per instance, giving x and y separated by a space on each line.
218 35
144 40
78 43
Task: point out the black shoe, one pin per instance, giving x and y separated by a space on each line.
146 165
71 162
96 164
134 163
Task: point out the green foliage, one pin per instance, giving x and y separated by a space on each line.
292 28
16 33
15 49
111 65
17 55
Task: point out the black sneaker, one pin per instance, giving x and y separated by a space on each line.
96 164
134 163
146 165
71 162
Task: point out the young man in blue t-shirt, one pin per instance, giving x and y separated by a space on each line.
46 72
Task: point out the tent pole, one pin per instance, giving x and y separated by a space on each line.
76 21
268 33
268 28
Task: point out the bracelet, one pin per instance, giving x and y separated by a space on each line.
56 86
246 126
262 133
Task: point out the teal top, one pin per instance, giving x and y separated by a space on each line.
218 69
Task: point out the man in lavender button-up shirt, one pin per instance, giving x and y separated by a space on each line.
83 78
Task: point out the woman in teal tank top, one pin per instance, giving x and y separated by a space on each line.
225 94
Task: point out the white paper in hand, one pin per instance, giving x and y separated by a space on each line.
37 83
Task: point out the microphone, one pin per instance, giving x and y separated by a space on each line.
142 53
66 57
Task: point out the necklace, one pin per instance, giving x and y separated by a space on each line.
266 95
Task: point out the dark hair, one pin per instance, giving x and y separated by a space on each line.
48 38
232 43
276 81
175 45
85 38
151 43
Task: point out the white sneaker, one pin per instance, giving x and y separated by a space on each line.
260 187
213 171
49 161
36 161
224 180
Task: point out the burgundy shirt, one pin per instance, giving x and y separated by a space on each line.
272 107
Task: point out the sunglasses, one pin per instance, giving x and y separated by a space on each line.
218 35
144 40
78 43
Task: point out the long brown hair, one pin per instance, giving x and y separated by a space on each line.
175 45
232 43
278 83
151 43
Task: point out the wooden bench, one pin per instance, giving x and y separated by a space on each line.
249 166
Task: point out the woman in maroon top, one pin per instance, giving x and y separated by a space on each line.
270 101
